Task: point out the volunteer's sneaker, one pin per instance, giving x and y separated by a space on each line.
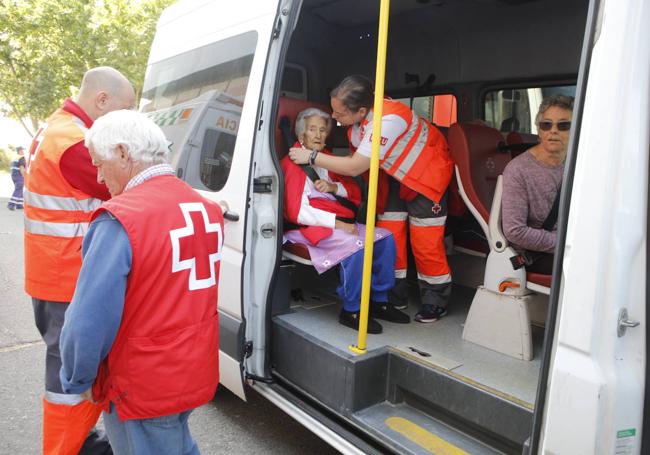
430 313
387 312
351 319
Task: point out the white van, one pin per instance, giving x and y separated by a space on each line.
521 363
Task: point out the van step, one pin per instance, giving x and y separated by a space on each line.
413 432
429 398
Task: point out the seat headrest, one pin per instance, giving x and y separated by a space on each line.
475 150
521 142
510 124
515 137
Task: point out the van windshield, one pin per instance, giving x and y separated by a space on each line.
223 66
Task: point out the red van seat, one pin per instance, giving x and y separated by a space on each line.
475 150
297 249
538 278
515 137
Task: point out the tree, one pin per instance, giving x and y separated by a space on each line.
47 45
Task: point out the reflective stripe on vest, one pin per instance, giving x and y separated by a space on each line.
67 230
43 201
424 222
418 127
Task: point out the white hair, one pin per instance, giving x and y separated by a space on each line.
311 112
139 135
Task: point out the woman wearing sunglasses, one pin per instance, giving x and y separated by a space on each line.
531 184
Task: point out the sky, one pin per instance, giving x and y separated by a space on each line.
13 133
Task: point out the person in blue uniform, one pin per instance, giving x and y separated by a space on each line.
18 177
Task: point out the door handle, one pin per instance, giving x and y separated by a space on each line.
624 323
227 213
230 215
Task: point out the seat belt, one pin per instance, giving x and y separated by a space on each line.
551 218
528 258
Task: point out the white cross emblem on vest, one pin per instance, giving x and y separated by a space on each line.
188 230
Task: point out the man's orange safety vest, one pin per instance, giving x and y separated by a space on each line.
419 157
56 213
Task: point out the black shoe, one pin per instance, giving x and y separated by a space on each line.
387 312
11 207
399 305
351 319
430 313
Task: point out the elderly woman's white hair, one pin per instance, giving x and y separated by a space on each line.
139 135
311 112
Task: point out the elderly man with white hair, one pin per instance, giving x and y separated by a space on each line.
141 334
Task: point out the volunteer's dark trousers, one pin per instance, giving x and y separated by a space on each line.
49 317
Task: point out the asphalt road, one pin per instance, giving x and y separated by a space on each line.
226 425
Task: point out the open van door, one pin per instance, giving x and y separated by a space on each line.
202 87
597 365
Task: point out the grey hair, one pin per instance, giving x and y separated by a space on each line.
311 112
142 138
561 101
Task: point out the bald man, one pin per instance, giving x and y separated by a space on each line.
61 192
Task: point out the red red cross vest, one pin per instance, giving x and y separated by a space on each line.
419 157
165 356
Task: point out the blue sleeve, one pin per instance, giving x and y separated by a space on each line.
93 317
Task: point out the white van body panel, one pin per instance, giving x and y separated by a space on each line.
189 25
597 379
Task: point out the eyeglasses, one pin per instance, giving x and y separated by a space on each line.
547 125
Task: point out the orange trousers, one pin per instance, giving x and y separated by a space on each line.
66 427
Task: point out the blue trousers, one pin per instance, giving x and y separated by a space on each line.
167 435
383 275
16 200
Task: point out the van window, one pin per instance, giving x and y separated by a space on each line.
223 66
439 109
216 157
200 94
294 82
515 109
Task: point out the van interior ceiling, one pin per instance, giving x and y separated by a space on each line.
458 41
418 372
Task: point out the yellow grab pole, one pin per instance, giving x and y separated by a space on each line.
378 108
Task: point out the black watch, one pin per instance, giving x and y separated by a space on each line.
312 157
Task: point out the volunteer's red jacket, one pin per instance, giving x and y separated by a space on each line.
295 180
165 356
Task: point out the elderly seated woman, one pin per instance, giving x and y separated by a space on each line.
321 205
531 184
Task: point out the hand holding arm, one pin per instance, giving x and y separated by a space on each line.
299 155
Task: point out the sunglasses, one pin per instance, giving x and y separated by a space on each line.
546 125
